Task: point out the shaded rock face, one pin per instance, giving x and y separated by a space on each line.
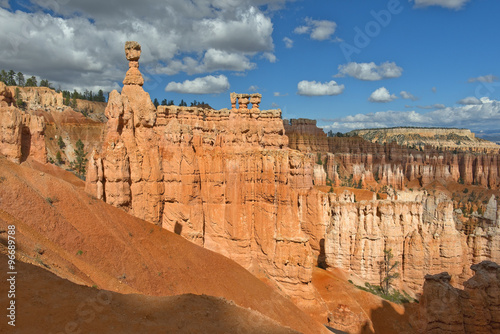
475 309
305 136
222 179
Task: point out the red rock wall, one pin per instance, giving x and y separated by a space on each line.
305 136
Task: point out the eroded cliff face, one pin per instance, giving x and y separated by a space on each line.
21 133
418 228
305 136
474 309
222 179
37 97
436 138
394 165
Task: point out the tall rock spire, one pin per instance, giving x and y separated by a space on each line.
133 53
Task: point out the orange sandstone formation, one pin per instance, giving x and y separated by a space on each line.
21 133
221 178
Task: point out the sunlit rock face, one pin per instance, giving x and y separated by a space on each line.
223 179
22 134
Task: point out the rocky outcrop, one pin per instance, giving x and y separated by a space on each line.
6 98
475 309
41 120
37 97
437 138
22 135
10 133
305 136
221 178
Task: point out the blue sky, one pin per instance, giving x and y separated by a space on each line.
348 64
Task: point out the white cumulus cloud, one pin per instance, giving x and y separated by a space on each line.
313 88
319 30
484 78
382 95
79 43
204 85
479 117
451 4
370 71
408 96
471 100
288 42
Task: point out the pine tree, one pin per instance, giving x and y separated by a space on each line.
164 102
73 99
100 96
58 157
61 143
20 79
11 81
156 103
388 268
80 162
31 82
19 101
3 76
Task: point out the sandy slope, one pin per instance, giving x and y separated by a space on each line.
87 241
49 304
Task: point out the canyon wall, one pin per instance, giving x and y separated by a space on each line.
305 136
33 129
37 97
436 138
418 228
474 309
395 165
